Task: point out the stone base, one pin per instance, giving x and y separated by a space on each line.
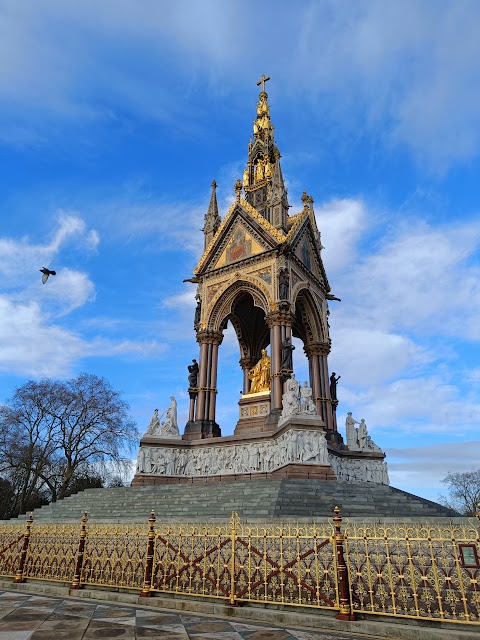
199 429
305 471
254 409
302 420
334 438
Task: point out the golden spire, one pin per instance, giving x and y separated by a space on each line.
262 126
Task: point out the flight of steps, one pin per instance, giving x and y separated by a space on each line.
261 500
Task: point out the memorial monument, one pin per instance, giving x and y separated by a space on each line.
262 271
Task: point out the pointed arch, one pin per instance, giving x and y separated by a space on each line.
223 304
308 324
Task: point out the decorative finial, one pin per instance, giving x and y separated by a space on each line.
262 81
214 185
305 200
238 189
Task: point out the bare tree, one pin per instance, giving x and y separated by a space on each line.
28 438
54 436
463 491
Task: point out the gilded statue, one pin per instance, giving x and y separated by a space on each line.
268 169
259 170
245 178
255 127
264 122
262 106
260 374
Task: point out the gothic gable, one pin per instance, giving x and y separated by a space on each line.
306 247
244 233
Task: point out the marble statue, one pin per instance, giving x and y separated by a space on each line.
170 426
260 374
306 402
154 424
351 432
291 398
362 434
193 374
287 355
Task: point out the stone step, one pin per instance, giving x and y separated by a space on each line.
286 498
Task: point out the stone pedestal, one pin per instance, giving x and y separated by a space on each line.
254 409
198 429
302 421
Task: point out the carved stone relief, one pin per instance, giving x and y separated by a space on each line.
295 445
360 470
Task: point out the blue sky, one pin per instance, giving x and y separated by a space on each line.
115 117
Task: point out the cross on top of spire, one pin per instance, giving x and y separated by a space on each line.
262 81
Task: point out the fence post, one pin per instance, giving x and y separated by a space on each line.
23 555
80 553
233 528
147 583
346 611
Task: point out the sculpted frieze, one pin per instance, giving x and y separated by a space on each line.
293 446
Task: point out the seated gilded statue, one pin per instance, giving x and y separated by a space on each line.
260 374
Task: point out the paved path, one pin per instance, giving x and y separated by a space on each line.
36 617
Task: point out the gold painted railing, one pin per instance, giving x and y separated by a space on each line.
423 571
428 571
286 564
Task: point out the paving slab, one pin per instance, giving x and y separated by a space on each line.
92 614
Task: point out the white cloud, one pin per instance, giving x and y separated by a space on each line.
30 346
406 73
33 346
32 343
25 256
72 290
422 278
167 226
341 224
186 299
367 355
422 468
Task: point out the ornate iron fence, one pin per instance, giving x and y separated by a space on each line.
11 545
428 571
424 571
114 556
288 564
193 560
52 553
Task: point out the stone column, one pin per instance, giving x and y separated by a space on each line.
317 359
204 425
202 378
280 325
216 341
246 363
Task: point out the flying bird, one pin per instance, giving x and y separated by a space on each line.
46 272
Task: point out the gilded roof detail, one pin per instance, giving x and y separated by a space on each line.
279 237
